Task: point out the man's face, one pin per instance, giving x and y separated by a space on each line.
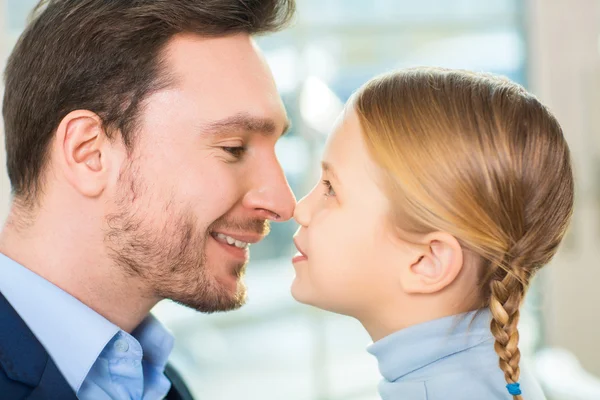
203 179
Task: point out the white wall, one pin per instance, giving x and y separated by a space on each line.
565 73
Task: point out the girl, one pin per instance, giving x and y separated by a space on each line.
443 192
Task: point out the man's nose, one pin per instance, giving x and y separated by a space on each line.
270 195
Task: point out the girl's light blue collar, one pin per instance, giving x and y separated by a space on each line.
414 347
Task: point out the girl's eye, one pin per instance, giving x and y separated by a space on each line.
329 192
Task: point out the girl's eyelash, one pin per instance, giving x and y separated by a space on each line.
330 192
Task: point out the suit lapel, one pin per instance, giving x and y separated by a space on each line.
179 390
25 360
52 385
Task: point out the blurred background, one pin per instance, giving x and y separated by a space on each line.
275 348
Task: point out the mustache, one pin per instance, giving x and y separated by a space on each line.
261 227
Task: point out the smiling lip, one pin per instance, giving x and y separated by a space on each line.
240 253
242 237
300 256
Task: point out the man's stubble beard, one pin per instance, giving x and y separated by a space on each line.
169 256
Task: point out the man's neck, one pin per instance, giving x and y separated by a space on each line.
73 258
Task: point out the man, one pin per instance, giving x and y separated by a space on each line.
140 147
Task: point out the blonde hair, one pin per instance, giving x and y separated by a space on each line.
478 157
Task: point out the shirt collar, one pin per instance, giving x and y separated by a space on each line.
415 347
156 342
73 334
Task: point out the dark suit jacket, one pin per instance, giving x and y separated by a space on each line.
28 372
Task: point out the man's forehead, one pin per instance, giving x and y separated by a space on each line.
227 79
199 62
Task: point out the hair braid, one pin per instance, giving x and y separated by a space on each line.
507 293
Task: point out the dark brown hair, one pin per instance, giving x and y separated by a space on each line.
104 56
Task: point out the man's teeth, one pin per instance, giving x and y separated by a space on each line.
233 242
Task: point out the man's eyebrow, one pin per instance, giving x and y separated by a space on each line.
244 122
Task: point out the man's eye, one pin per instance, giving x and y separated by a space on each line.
237 152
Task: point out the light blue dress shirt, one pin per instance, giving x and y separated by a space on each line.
98 360
451 358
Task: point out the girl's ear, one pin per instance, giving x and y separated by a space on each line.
435 266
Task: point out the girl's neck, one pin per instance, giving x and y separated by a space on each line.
386 322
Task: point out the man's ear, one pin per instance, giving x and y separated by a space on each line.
434 266
80 143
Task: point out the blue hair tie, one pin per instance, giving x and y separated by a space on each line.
514 388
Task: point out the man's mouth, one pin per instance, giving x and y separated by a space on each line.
231 241
239 240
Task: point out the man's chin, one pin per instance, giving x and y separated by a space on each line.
213 306
220 299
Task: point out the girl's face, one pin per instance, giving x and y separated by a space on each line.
349 257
